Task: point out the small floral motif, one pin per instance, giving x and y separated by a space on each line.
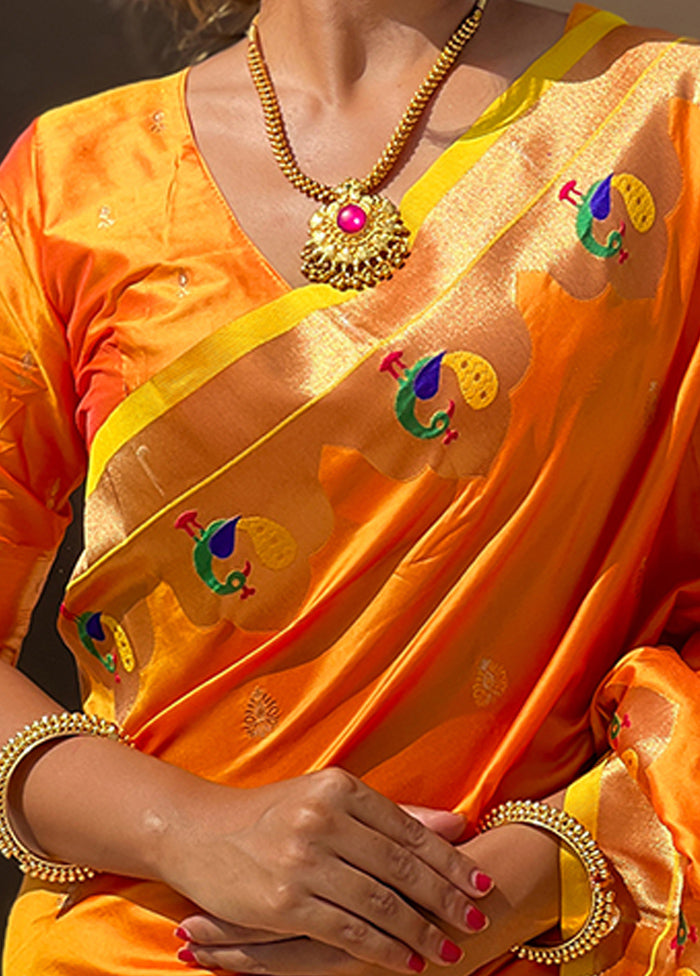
684 935
4 223
262 714
490 683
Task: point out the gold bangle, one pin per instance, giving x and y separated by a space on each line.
603 915
15 750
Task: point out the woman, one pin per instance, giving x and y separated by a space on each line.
422 536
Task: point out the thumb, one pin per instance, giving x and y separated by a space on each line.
450 826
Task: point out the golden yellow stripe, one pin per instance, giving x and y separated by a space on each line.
672 908
514 102
581 802
213 354
201 363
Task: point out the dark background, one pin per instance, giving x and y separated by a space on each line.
52 52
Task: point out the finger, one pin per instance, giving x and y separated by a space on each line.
291 957
209 930
450 826
386 818
402 870
357 936
365 898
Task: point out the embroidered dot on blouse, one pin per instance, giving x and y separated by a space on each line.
158 122
105 218
4 223
183 280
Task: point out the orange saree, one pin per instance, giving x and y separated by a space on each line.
443 533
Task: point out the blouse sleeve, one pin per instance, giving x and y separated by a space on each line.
41 453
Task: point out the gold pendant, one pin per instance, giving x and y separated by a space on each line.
356 241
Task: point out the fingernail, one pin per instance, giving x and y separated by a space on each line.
475 919
449 952
185 955
416 963
481 881
183 934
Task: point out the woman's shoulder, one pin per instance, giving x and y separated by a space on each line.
123 107
97 139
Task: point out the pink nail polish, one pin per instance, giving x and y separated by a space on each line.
184 955
475 919
449 952
481 881
183 934
416 963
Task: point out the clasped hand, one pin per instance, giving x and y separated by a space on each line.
322 874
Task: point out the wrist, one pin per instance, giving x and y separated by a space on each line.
91 801
528 878
177 826
190 826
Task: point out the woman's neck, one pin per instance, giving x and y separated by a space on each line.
336 48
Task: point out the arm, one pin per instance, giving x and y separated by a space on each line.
322 855
74 798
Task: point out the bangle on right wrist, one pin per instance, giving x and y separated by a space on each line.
603 914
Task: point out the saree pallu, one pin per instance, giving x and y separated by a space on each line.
444 533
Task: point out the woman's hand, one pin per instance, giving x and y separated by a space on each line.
523 904
326 857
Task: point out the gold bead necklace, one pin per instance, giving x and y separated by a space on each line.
356 238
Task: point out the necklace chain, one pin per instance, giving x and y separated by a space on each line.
277 136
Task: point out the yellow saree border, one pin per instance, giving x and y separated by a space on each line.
674 897
581 801
515 101
203 361
231 342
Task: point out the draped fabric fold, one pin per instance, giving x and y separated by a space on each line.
641 804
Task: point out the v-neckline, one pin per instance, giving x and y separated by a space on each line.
579 36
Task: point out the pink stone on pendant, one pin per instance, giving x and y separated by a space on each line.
352 219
